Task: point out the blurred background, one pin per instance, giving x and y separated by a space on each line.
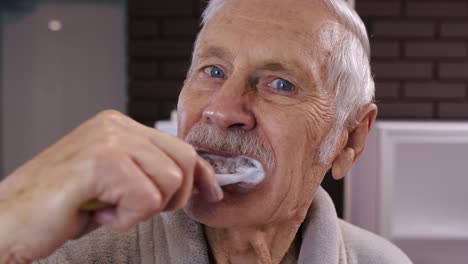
62 61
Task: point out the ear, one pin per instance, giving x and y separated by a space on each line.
355 139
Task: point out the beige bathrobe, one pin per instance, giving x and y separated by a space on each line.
175 238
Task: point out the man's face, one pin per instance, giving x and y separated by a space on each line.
257 69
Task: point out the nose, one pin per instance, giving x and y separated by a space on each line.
230 107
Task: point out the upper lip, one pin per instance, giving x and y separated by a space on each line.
222 153
202 149
217 152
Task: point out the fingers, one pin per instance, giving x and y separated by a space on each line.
181 153
205 181
135 196
202 173
171 165
87 225
191 163
164 172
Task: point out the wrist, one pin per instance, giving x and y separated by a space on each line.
10 258
9 253
9 246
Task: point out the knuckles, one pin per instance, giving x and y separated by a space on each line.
107 149
109 121
150 206
176 176
153 204
104 156
191 152
110 115
110 129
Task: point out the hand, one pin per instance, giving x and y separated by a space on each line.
137 170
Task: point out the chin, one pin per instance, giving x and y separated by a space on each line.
232 211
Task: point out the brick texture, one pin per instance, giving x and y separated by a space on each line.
160 8
419 57
381 9
454 29
403 29
385 49
175 69
143 28
431 9
403 70
433 49
454 70
387 90
434 91
406 110
181 27
160 40
453 110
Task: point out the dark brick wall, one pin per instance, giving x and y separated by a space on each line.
419 57
161 34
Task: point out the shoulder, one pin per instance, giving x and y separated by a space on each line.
364 247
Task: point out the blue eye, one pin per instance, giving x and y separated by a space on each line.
215 72
282 85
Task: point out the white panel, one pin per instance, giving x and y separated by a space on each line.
431 202
435 251
410 186
361 187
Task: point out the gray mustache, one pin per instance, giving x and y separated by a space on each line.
234 140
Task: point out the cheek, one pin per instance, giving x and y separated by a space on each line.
296 134
292 151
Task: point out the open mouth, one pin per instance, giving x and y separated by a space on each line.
235 169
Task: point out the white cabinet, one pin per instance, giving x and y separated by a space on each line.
410 186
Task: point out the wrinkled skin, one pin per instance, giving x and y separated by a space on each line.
254 47
292 123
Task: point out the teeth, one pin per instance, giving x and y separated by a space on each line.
231 170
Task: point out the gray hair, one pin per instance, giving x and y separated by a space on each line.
348 72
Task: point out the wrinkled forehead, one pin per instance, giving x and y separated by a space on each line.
276 24
300 18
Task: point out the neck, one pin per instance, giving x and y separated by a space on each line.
266 244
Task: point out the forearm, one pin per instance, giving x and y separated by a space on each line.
10 258
10 249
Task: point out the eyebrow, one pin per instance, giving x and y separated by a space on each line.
215 51
291 67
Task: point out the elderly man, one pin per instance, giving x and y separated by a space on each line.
278 93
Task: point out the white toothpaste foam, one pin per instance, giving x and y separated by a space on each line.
232 170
